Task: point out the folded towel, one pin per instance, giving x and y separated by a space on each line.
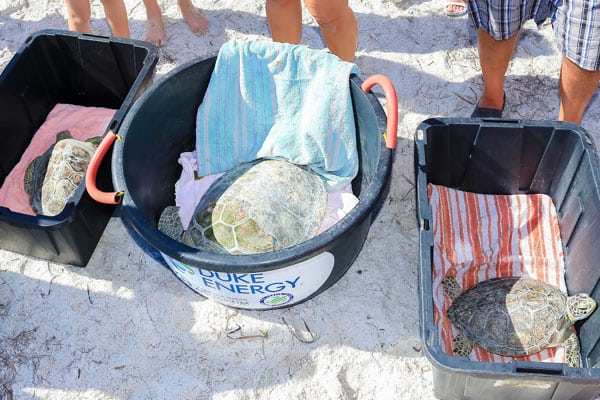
277 100
478 237
82 122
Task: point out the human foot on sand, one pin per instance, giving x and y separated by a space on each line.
155 32
155 28
196 22
455 8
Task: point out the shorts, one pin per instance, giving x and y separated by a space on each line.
502 19
577 32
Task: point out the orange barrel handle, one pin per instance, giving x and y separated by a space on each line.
392 106
92 171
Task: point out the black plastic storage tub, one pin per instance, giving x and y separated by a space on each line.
55 66
146 171
515 157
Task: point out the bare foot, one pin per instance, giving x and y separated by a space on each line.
193 18
155 26
155 32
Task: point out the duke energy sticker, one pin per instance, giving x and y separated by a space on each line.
276 288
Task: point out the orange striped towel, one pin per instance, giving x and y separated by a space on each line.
478 237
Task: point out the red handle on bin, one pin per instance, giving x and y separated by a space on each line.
392 106
92 171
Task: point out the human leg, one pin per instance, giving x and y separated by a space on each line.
576 86
155 26
498 24
577 33
338 26
494 57
116 16
285 20
78 15
193 18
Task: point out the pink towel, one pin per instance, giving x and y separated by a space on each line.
478 237
82 122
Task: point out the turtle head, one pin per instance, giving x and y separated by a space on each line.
580 306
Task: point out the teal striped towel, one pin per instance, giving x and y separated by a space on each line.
276 100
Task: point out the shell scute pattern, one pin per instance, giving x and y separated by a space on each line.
52 178
515 316
260 206
504 315
66 169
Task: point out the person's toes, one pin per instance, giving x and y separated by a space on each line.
156 35
196 22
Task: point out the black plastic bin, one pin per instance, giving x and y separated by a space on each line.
515 157
55 66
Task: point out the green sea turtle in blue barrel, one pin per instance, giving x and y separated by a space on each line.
256 207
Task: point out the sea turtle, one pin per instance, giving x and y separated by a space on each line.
515 316
52 178
255 207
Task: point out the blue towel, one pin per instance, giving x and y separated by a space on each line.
275 100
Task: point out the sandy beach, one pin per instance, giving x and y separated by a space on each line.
125 327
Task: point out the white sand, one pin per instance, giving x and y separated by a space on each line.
125 328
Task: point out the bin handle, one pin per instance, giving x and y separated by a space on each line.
392 106
92 171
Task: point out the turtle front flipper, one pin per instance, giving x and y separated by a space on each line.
573 351
66 134
38 173
170 224
462 346
94 141
28 178
451 287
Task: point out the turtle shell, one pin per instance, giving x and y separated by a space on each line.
257 207
65 170
511 316
36 173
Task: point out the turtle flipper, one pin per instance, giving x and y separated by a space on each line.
66 134
94 141
28 178
37 180
451 287
170 224
462 346
573 351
